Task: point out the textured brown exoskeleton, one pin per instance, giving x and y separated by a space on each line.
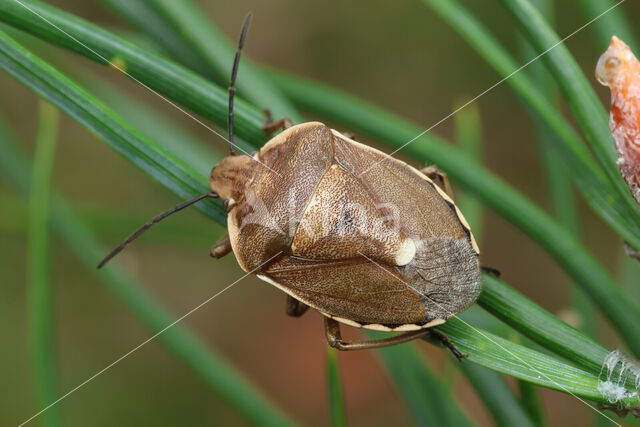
365 239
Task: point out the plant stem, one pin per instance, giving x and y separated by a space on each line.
602 289
210 44
531 401
163 76
556 172
613 23
505 409
141 14
504 356
360 116
589 178
496 395
580 96
469 138
430 400
334 386
40 290
216 372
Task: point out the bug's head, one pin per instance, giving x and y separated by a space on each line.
229 177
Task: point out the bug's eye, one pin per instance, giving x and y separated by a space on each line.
228 204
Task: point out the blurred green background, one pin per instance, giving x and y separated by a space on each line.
398 55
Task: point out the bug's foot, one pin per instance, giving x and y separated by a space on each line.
631 251
457 353
490 270
446 342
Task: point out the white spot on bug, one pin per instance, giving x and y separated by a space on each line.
276 284
336 133
474 244
434 322
463 220
347 321
408 327
378 327
443 194
616 368
406 253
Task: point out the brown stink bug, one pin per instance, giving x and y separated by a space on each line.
365 239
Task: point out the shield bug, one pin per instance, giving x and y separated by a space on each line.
367 240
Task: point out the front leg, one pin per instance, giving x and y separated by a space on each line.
439 177
222 247
271 126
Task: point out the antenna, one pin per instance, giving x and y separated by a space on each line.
234 75
211 195
153 221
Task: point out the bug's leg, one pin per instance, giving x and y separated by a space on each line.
439 177
334 338
444 340
295 308
270 126
490 270
631 251
222 247
350 135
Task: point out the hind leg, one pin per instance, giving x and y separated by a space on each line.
334 338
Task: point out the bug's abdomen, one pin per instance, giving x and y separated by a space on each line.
441 281
353 289
446 274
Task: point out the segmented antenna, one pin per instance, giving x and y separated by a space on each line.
232 82
153 221
163 215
